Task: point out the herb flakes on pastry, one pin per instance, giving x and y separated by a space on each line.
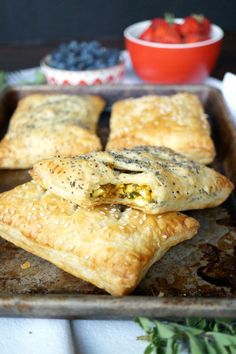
45 125
154 180
110 247
177 122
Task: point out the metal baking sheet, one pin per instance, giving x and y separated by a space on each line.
195 278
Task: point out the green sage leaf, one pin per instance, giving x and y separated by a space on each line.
150 349
223 338
196 345
144 323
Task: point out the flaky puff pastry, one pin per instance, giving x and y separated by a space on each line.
110 248
177 122
45 125
154 180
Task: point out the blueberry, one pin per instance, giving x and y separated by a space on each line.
86 58
93 49
100 52
115 54
82 45
104 53
93 45
83 56
71 59
80 66
73 46
111 62
57 56
62 48
99 64
59 65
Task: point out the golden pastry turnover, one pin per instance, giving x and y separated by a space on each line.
110 247
45 125
177 122
154 180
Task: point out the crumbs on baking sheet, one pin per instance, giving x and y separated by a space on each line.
25 265
161 294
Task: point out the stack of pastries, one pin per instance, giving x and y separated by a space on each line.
107 216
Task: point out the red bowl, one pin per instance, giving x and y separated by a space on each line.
172 63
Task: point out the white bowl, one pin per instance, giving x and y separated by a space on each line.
112 74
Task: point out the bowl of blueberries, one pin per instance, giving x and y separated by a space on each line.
83 63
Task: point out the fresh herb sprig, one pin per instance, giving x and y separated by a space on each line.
196 336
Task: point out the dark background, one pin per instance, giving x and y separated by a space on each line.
45 21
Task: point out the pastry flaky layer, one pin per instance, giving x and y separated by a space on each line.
45 125
176 121
111 248
154 180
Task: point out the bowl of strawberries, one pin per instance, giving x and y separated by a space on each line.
168 50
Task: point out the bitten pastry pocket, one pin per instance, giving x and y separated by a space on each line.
154 180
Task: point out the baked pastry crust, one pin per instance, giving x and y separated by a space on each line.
110 248
45 125
177 122
154 180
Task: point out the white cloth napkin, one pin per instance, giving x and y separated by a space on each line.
42 336
35 336
229 92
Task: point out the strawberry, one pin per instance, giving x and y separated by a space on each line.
166 31
206 26
159 21
190 25
147 35
195 37
168 34
195 24
195 28
204 22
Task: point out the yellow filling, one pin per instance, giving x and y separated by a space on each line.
140 194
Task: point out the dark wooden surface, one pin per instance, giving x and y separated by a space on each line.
20 57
